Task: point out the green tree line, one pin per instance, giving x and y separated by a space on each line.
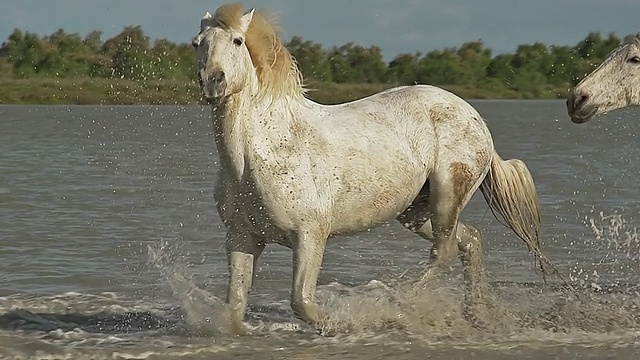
532 71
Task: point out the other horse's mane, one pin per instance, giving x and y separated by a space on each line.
632 39
277 70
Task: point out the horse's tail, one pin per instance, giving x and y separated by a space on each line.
511 194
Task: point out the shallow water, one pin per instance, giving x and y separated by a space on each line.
110 247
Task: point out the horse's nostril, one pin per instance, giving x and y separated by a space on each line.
577 100
580 100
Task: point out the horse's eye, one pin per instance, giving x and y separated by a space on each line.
237 41
634 60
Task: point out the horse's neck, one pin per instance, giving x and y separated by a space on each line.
243 125
228 133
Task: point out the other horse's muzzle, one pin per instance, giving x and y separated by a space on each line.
212 85
578 107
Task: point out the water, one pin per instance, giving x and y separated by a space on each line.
110 247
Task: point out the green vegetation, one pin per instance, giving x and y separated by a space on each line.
65 68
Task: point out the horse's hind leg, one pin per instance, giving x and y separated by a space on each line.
470 253
434 216
417 218
451 190
454 190
463 239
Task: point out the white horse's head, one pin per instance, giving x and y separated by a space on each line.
612 85
223 60
238 49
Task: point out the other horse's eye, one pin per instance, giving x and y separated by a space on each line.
634 60
237 41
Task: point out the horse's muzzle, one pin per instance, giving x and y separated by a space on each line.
212 85
578 107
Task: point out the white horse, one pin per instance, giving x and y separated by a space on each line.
613 85
295 172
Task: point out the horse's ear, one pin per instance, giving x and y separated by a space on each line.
245 20
206 20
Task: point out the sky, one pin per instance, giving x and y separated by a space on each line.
396 26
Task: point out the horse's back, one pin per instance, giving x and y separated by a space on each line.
426 114
443 126
417 103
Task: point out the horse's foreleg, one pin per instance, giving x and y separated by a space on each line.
308 251
242 254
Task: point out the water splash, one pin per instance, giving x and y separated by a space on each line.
508 311
205 313
618 244
613 232
433 311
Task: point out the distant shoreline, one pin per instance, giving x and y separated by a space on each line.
97 91
65 68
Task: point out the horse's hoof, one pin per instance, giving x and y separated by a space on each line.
241 330
308 313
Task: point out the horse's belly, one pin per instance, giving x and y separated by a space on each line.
380 201
363 219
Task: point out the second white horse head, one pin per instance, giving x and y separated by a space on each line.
613 85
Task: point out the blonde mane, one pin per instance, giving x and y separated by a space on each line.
277 70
